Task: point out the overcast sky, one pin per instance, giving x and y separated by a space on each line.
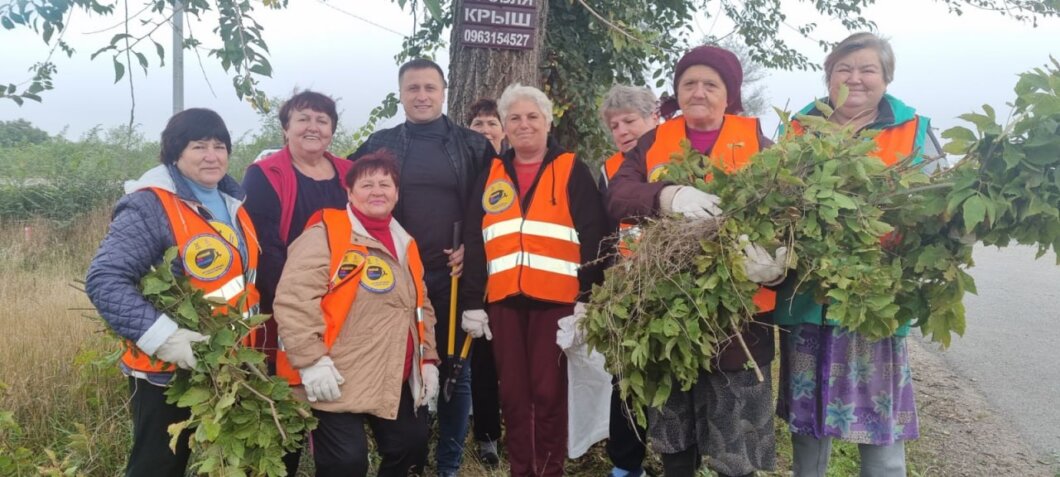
946 65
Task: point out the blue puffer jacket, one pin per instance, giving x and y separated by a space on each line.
138 236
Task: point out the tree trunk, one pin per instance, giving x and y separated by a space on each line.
476 73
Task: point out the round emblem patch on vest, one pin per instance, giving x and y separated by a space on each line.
351 260
207 257
657 173
499 195
225 232
377 276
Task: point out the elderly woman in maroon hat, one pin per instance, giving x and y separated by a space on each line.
727 416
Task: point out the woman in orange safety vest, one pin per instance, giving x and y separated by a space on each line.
628 112
834 383
192 203
727 415
357 331
534 223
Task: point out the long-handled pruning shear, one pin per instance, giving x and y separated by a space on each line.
456 366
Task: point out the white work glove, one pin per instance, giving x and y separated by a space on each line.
570 332
430 381
321 380
761 267
177 348
476 324
695 204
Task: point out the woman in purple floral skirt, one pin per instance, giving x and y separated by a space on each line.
838 384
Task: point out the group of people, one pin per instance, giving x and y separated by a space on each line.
357 259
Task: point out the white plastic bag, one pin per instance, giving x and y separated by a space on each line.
588 399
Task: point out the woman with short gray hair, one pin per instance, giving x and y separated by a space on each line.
531 242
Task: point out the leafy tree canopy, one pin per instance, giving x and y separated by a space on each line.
20 131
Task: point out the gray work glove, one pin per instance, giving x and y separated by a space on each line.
177 348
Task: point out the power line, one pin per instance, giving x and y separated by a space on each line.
354 15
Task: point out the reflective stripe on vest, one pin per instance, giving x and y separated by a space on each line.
194 235
737 142
342 287
892 144
537 252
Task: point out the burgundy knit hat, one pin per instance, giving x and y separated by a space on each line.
724 62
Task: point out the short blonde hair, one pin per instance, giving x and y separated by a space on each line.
518 92
857 42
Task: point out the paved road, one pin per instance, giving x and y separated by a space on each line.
1011 347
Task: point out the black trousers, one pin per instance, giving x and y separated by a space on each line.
485 399
151 416
625 446
340 444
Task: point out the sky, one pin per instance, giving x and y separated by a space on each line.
946 64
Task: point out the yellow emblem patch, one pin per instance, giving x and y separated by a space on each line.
226 232
657 173
377 276
207 257
352 260
499 195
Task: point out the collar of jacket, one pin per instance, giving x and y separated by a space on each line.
169 178
892 112
362 237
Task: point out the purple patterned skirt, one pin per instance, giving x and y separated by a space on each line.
835 383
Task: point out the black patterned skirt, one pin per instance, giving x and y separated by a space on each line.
728 415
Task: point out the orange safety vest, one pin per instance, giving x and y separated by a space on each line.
893 143
611 165
535 252
209 253
737 142
626 231
347 265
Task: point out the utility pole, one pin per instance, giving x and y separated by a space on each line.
178 56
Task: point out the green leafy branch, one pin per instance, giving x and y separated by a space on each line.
242 421
881 246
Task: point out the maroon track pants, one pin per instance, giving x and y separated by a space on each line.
533 384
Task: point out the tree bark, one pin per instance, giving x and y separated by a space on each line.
476 73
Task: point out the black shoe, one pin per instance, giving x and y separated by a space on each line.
487 454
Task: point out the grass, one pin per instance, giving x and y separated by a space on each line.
54 393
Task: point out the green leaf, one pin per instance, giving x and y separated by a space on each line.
153 285
843 201
193 396
974 211
161 53
119 70
434 7
142 60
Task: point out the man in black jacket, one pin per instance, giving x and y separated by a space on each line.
439 161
